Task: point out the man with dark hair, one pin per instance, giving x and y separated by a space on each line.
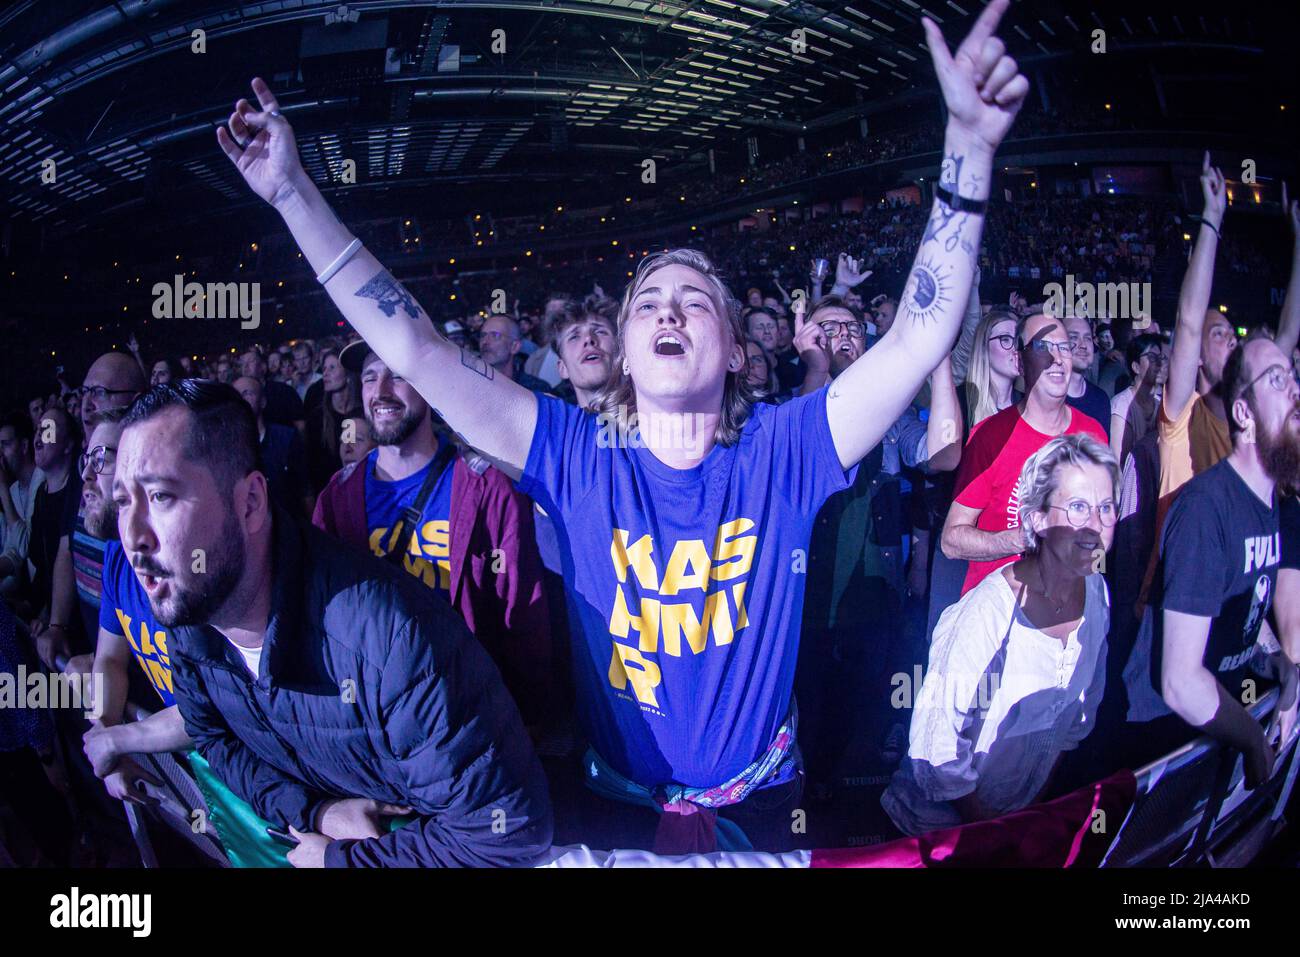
322 686
1221 551
452 521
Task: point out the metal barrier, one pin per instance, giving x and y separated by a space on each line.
1191 806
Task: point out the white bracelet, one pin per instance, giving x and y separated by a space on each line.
340 262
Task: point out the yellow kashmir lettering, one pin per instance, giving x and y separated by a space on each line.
124 620
644 674
437 538
146 640
688 567
637 558
160 676
728 546
646 624
681 619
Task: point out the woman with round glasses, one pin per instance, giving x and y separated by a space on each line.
1017 666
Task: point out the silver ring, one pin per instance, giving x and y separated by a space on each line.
275 112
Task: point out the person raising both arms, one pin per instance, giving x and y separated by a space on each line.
678 535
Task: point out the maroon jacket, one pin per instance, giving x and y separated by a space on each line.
504 607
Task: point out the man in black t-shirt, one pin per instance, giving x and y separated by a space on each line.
1221 549
1286 601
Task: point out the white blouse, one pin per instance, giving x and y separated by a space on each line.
1000 702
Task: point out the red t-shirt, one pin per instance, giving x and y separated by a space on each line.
990 471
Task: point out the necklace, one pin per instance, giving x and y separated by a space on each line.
1059 606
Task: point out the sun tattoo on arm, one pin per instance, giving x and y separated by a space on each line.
927 290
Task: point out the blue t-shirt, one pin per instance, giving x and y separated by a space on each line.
124 610
685 587
428 556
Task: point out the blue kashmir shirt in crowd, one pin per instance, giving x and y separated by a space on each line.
685 587
428 557
124 610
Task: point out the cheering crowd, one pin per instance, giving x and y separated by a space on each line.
389 594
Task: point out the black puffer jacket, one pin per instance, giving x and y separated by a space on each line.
369 687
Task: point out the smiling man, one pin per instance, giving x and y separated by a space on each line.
680 540
451 520
983 524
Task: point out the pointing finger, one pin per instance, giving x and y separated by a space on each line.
264 95
938 46
983 28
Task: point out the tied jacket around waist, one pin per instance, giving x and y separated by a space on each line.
368 688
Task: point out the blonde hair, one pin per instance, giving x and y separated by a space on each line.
980 400
617 401
1039 476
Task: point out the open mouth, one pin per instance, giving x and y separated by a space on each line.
669 344
593 357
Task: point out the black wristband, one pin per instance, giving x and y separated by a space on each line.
960 203
1214 229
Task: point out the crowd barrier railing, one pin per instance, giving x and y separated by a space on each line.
1191 809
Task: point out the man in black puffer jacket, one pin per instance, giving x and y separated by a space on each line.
323 686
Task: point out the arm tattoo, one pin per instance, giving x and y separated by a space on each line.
927 291
476 363
389 295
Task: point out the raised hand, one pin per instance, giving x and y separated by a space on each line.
1215 192
261 145
810 341
848 271
1291 210
983 88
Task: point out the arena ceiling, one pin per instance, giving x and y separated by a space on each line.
474 94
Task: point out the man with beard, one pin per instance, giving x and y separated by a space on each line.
678 534
1220 551
855 558
19 480
322 686
498 344
126 628
452 521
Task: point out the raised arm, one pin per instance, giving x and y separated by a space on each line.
944 427
966 341
490 412
1194 297
1288 324
983 90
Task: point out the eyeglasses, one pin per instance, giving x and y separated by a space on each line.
1006 341
1280 379
95 458
99 393
852 328
1157 356
1062 349
1078 512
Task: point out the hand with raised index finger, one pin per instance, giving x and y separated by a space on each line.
982 87
261 145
